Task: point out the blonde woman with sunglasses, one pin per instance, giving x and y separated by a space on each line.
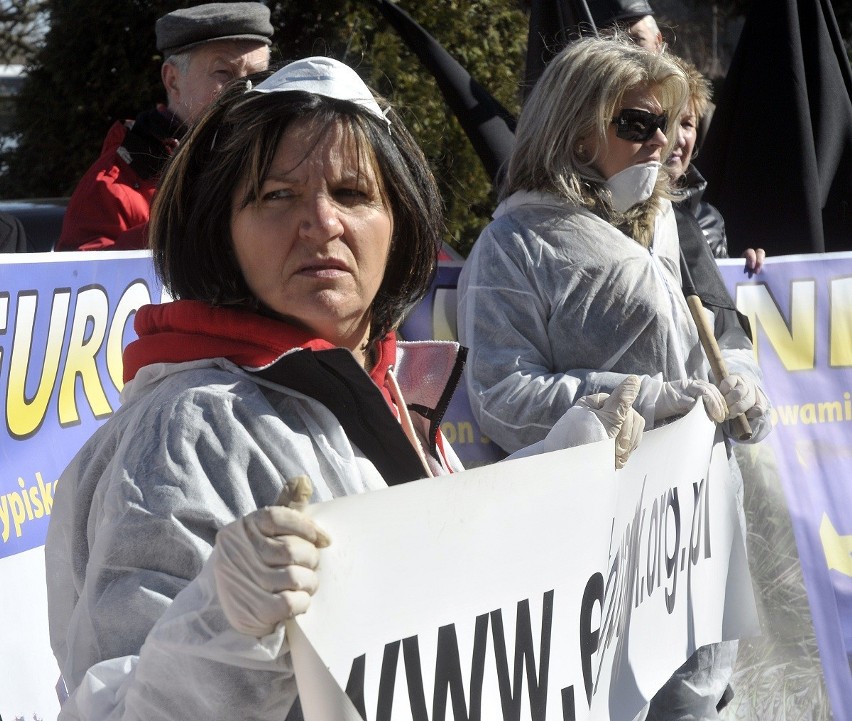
576 282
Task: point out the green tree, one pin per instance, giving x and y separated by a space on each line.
99 63
488 37
21 30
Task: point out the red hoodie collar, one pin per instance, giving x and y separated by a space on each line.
189 330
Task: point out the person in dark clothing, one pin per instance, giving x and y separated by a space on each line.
689 183
635 18
204 47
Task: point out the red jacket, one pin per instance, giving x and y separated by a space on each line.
110 206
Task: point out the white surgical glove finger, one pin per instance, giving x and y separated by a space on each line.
274 521
264 566
618 417
677 397
629 437
612 409
619 406
740 394
714 401
631 423
280 551
244 592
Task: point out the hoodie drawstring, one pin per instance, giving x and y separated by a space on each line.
405 420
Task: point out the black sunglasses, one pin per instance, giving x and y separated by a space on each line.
637 126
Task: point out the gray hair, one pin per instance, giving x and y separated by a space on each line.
180 60
575 100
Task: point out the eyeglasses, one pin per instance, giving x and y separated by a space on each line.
637 126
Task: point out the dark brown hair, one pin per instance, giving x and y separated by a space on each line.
234 142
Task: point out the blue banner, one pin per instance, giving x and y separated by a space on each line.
64 321
800 309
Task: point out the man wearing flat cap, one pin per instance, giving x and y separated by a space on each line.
203 47
635 17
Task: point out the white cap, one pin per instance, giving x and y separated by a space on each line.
322 76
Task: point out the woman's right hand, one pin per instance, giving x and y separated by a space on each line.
265 567
616 413
678 397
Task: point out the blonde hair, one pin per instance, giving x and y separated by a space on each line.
574 100
699 87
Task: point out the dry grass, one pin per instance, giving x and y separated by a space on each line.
778 675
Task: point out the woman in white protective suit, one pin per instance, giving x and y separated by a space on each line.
576 281
294 227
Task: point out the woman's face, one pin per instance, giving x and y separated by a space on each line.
687 132
618 154
314 245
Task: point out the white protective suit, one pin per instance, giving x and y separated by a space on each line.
221 408
555 303
194 446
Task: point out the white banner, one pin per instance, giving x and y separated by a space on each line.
550 586
28 671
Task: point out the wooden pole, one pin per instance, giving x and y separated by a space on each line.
740 424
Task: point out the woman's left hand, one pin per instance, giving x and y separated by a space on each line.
265 567
743 396
618 417
593 419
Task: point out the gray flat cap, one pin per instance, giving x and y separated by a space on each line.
605 12
184 29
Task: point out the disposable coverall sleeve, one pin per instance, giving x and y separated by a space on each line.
147 638
503 315
193 665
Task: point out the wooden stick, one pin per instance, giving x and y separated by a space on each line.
740 424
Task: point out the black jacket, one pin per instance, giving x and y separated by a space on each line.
689 196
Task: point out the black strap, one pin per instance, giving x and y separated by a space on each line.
436 415
334 378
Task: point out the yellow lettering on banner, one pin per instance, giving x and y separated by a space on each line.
92 328
830 412
46 491
24 415
134 297
795 343
16 508
841 323
33 502
26 498
457 433
807 412
824 412
91 316
837 548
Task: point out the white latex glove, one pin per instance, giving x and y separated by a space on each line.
677 397
265 565
616 413
743 396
